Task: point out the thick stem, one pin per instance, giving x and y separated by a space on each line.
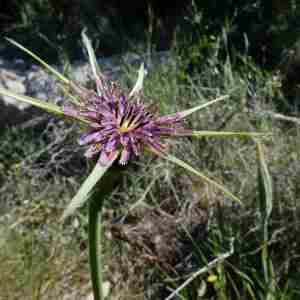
95 230
95 247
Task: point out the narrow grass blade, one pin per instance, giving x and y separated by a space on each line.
86 188
242 275
42 62
185 113
204 133
265 185
250 291
139 83
92 57
52 108
189 168
142 198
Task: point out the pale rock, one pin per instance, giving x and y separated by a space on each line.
11 110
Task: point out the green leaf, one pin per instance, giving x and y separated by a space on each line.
52 108
189 111
204 133
189 168
86 188
42 62
49 107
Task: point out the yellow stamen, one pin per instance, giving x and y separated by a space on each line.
97 146
126 126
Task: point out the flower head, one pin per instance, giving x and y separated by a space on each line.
119 123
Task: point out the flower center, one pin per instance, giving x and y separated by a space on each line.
125 127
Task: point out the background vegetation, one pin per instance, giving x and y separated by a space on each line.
162 224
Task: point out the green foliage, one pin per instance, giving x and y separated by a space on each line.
266 30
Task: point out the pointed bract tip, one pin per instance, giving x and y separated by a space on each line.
139 83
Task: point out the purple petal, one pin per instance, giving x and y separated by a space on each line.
90 114
149 125
112 144
108 131
108 124
93 150
106 112
104 159
135 146
165 131
122 105
124 139
107 157
125 155
156 146
71 111
140 118
143 133
89 137
169 119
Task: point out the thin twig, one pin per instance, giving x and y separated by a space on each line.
282 117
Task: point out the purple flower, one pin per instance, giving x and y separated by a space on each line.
119 123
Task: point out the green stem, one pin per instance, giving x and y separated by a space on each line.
95 247
95 230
